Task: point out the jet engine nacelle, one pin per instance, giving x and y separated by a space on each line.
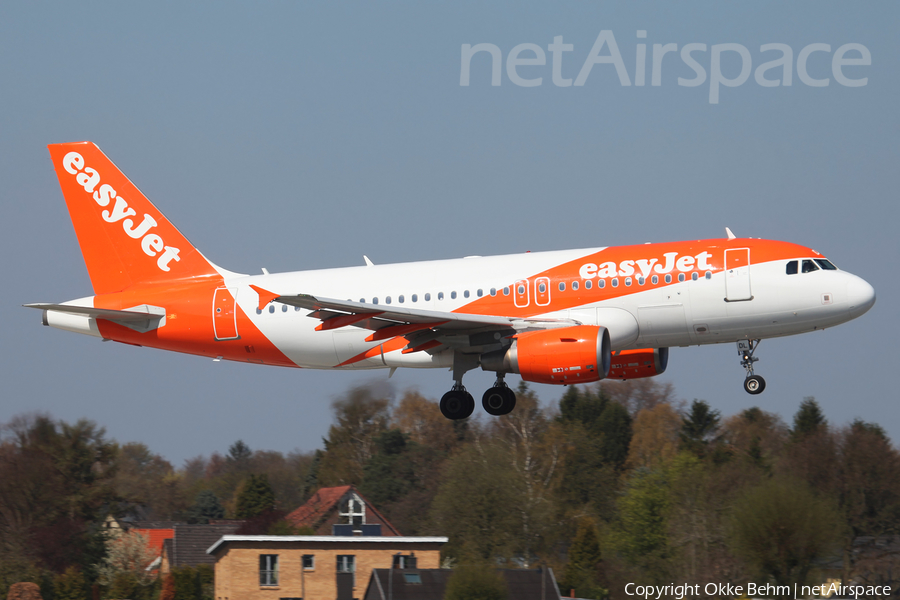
579 354
634 364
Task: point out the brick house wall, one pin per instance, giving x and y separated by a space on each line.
238 563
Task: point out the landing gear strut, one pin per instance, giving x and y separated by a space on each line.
753 384
499 400
458 403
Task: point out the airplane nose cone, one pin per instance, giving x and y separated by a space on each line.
860 295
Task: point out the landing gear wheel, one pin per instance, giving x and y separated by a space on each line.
499 400
457 404
754 384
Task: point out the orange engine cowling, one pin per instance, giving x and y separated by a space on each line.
578 354
634 364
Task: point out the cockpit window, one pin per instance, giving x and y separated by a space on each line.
809 266
826 264
792 268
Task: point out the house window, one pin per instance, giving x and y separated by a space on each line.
403 561
309 562
268 569
352 511
346 563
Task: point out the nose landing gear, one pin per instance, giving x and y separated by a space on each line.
753 384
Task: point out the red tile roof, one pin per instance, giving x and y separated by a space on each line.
324 501
317 506
155 538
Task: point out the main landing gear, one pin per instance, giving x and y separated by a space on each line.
753 384
459 404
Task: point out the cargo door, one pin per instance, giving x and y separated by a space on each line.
737 275
224 314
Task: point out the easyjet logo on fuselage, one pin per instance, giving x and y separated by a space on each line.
645 266
151 243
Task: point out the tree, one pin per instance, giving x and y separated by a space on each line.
255 497
206 506
475 582
655 436
809 419
781 527
361 416
70 585
583 562
128 552
699 428
148 481
640 530
421 420
756 436
168 588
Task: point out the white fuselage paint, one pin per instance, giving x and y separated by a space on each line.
692 312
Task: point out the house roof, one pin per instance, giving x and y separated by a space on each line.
323 539
324 501
189 544
319 505
155 538
521 584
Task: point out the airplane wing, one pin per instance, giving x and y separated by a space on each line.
425 330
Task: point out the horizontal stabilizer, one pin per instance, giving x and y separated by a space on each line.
141 318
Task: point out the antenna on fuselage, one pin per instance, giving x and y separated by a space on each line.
731 236
369 263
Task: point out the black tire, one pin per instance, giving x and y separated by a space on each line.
457 404
754 385
498 401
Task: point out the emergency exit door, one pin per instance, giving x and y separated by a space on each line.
224 314
737 275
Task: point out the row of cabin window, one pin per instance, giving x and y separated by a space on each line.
542 288
809 265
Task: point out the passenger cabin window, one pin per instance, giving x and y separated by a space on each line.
415 297
694 276
400 299
440 295
284 308
506 291
271 309
826 264
480 293
668 278
562 286
575 286
542 287
791 268
387 300
493 291
809 266
601 283
587 284
453 295
428 297
655 279
466 294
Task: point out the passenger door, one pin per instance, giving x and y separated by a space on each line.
737 275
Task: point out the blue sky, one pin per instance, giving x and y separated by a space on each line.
299 135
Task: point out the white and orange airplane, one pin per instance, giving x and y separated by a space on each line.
562 317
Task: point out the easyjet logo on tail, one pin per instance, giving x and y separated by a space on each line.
151 243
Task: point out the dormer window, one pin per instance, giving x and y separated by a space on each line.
352 511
